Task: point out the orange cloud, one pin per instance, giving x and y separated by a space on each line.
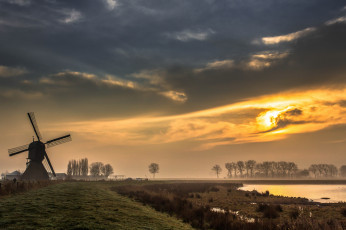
262 119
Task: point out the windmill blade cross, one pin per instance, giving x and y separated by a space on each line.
34 125
17 150
58 141
50 165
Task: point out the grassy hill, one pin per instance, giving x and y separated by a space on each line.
80 205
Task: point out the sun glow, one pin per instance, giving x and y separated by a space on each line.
267 120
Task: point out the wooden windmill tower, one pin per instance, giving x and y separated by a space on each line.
35 169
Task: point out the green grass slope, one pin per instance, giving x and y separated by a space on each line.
80 205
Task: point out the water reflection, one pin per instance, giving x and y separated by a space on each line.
335 193
241 217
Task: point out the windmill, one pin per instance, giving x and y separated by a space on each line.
35 169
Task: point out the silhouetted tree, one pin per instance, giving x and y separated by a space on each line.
283 168
229 167
84 167
75 168
241 166
333 170
95 168
217 169
266 166
235 168
303 173
250 166
276 168
343 171
154 168
292 168
69 168
259 169
314 169
107 170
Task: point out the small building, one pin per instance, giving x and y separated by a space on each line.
13 175
61 176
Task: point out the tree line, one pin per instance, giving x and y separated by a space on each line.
81 168
277 169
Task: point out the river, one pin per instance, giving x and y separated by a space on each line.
335 193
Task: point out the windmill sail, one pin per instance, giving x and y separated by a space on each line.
50 165
18 150
34 125
58 141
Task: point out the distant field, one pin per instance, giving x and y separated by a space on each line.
80 205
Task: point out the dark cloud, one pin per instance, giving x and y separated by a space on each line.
49 37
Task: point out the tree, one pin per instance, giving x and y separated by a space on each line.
84 167
69 168
343 171
266 167
241 166
303 173
229 167
95 168
333 170
259 169
235 168
217 169
154 168
107 170
314 169
75 167
283 168
250 165
292 168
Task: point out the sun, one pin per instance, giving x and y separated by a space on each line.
267 120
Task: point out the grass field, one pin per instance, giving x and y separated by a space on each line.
80 205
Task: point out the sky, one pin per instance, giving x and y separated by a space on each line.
185 84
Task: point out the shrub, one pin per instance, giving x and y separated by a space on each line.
214 189
270 212
343 212
211 200
278 208
294 214
261 207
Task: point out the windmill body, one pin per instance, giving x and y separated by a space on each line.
37 155
37 151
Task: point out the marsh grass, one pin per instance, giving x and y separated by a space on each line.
192 203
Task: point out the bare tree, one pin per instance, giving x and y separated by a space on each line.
314 169
292 168
266 167
217 169
107 170
333 170
241 167
95 168
229 167
154 168
343 171
276 167
84 166
259 169
283 168
235 168
250 165
69 168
